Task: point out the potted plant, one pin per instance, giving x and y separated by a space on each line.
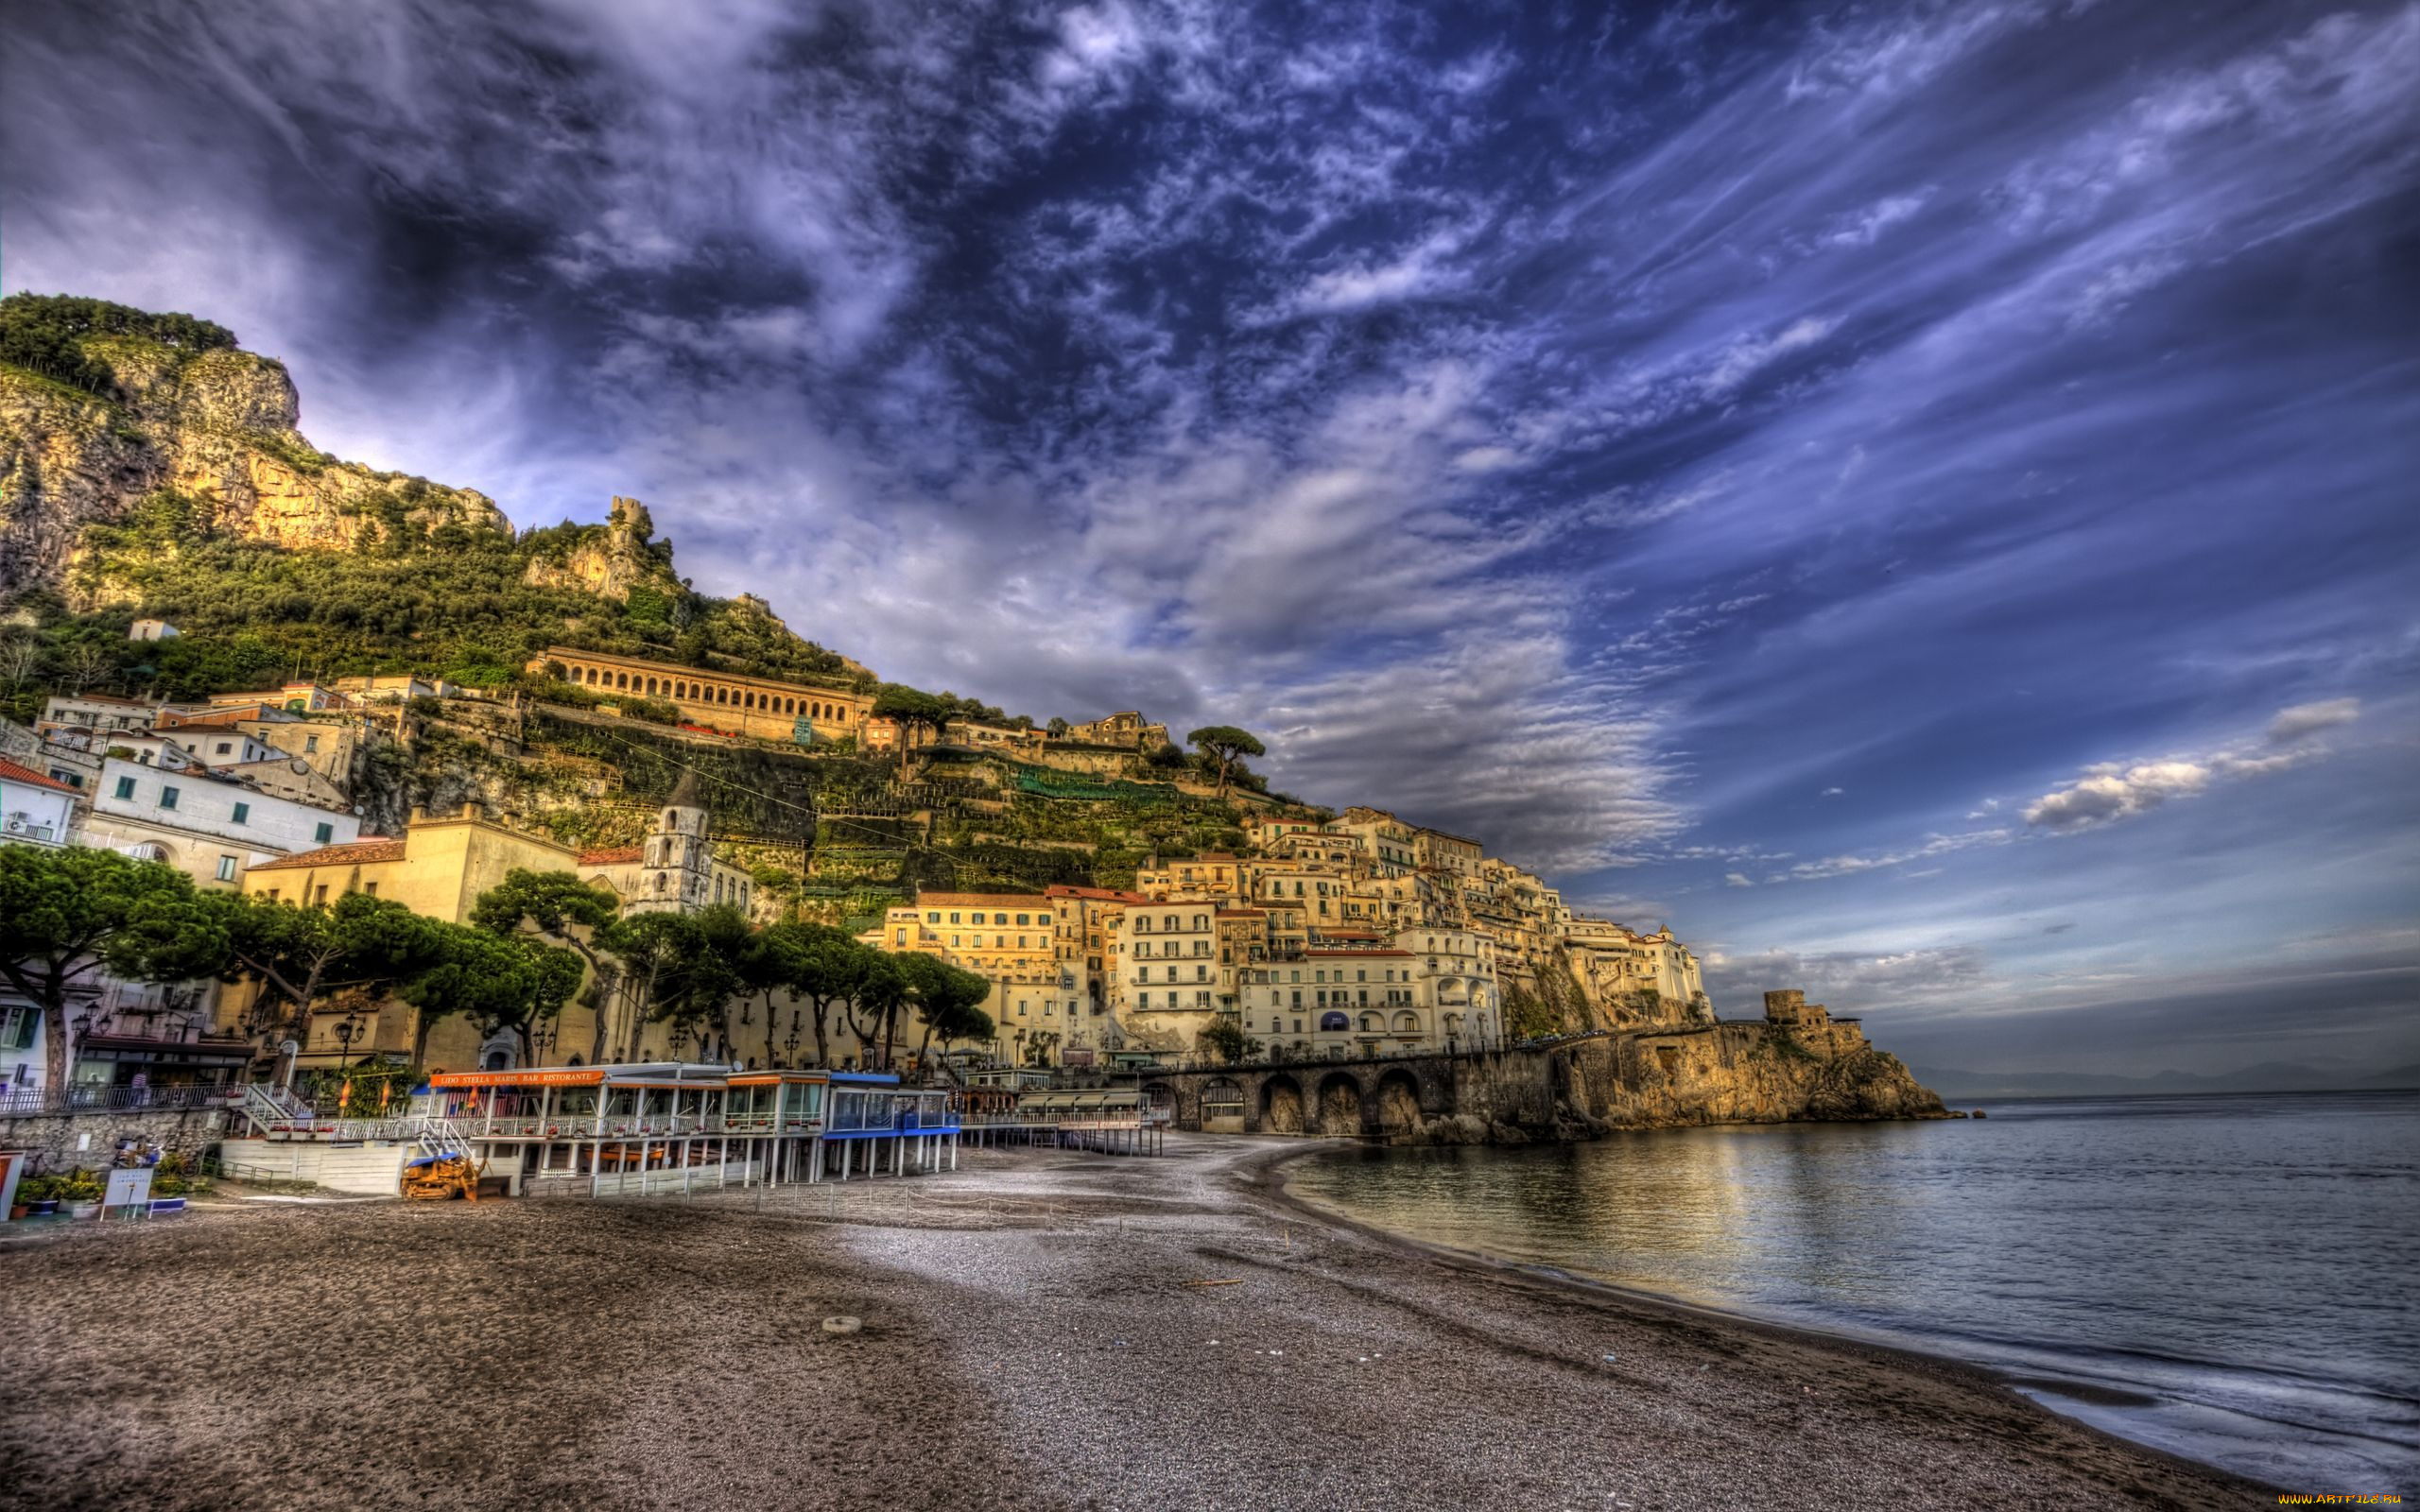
81 1191
37 1196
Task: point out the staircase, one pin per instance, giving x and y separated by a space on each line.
274 1111
439 1137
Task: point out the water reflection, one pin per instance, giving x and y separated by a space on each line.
2243 1262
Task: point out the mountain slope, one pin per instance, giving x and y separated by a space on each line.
150 465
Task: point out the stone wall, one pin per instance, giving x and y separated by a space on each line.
1578 1089
59 1140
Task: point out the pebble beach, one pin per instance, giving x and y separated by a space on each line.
1039 1330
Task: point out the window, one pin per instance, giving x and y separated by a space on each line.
369 890
310 745
323 834
167 797
226 869
17 1026
243 812
323 895
224 747
126 787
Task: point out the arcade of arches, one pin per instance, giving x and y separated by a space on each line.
751 706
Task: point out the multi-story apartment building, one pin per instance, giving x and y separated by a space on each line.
210 829
1012 939
1216 877
1393 847
1446 852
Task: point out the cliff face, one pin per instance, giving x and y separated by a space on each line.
216 426
1722 1074
611 562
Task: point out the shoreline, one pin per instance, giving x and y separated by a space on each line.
1274 1186
1043 1328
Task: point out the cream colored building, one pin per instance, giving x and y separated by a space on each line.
1012 939
761 706
440 867
1126 729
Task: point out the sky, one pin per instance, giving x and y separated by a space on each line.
1921 498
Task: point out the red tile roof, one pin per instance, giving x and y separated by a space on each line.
979 900
353 854
612 856
12 772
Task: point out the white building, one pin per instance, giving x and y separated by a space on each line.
144 747
151 631
209 827
96 710
35 809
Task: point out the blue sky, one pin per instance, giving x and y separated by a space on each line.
1919 497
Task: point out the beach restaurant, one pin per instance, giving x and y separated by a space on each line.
680 1126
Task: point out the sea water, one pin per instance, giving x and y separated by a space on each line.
2233 1279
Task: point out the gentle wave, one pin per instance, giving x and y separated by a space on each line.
2226 1278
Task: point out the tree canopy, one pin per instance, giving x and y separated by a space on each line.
68 916
1224 744
299 954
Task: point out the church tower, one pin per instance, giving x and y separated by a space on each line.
673 878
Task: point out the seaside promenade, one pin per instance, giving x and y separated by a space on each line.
1040 1329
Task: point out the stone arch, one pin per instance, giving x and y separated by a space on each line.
1223 1106
1340 1104
1397 1102
1406 1022
1159 1096
1281 1105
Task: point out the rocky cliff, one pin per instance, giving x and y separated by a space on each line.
1737 1073
216 426
611 561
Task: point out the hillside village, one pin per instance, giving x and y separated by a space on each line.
295 680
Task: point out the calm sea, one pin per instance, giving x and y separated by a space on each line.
2231 1279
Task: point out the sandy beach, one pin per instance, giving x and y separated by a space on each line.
1037 1332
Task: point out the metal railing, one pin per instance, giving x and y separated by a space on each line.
115 1099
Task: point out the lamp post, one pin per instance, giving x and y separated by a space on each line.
345 1029
542 1037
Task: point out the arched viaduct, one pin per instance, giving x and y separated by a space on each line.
1368 1098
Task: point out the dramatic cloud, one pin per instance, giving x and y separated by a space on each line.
1686 442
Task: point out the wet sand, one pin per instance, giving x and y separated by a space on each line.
1030 1341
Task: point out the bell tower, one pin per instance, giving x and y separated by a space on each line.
673 878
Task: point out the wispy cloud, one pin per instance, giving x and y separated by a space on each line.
1594 433
2114 790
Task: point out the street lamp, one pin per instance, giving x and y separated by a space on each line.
346 1028
789 1044
542 1037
